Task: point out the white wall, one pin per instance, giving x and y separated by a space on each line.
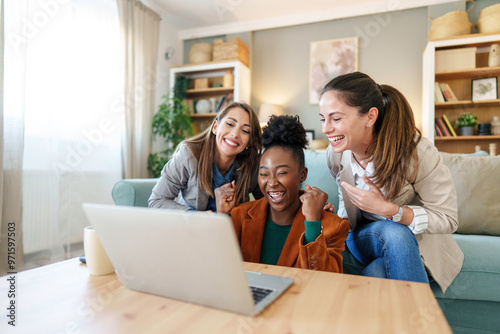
168 38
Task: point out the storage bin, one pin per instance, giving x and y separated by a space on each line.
200 53
451 24
456 59
233 49
488 20
201 83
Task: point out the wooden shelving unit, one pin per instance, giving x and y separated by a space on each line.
214 71
468 103
460 82
212 90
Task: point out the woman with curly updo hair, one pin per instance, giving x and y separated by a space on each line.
289 226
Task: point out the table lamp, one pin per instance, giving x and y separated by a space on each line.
268 109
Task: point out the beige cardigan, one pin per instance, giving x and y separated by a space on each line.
434 190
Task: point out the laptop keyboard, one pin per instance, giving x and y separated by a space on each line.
259 293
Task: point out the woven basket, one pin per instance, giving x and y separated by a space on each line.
451 24
489 11
200 53
488 20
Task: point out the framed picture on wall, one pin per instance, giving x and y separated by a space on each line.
329 59
310 137
484 89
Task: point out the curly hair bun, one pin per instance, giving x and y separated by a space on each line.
284 131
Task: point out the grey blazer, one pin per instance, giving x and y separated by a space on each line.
178 188
434 190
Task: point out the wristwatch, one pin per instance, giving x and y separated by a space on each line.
398 216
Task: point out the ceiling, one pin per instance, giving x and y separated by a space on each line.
201 18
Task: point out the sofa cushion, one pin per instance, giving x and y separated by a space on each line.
480 274
319 175
477 182
472 302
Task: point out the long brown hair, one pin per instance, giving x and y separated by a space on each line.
204 148
393 149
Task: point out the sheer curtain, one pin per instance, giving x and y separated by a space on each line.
73 119
12 64
140 30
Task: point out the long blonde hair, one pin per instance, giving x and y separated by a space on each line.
395 136
204 149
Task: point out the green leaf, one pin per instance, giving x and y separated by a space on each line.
466 120
172 122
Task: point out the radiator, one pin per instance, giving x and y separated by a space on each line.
53 218
36 208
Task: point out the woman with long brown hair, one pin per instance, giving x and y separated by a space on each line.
394 189
227 151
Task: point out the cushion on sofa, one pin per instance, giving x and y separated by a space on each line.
319 176
472 302
133 192
477 180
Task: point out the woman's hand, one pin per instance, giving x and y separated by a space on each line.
372 200
225 197
329 207
313 202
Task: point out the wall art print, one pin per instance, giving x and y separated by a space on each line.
329 59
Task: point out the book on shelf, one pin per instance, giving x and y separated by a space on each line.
442 126
448 125
438 130
219 105
438 93
448 93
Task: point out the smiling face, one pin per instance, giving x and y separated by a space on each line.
232 133
279 180
345 127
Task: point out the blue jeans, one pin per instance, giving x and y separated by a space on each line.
388 250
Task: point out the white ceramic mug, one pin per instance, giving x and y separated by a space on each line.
96 258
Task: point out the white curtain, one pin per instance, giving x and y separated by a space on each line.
12 61
140 31
72 118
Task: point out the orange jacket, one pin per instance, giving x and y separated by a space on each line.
325 253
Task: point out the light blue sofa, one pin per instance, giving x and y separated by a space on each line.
472 303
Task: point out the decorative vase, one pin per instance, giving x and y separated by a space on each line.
228 79
202 106
495 125
467 131
494 57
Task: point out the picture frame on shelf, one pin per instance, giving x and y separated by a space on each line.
329 59
310 137
484 89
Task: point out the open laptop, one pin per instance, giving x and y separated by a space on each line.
188 256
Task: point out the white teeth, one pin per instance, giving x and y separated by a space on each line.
231 143
335 139
276 194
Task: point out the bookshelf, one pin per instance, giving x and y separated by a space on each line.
214 72
460 81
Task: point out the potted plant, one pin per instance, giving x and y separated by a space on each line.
173 123
466 123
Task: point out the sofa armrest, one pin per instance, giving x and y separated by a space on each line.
133 192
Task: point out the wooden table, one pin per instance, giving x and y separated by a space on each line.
64 298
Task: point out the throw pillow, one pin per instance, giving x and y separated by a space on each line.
477 181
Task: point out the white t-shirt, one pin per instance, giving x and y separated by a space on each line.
420 217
